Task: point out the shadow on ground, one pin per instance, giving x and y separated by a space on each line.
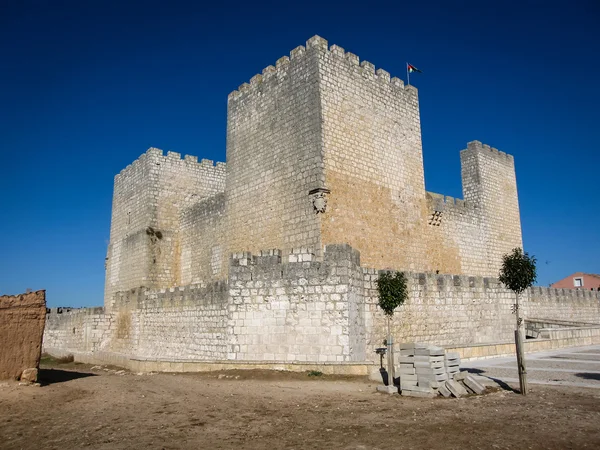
588 376
500 383
53 376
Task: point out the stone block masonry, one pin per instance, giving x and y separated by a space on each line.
299 310
22 320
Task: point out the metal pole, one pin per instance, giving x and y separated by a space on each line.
407 74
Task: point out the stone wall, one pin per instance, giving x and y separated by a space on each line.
203 241
21 330
563 304
179 323
298 309
150 197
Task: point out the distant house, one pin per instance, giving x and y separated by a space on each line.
579 280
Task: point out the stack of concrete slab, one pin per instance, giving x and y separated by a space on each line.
427 370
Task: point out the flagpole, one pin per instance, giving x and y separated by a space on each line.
407 74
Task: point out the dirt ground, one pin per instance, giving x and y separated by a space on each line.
81 406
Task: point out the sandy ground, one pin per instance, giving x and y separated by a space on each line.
79 406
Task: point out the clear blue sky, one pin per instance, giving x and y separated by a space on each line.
87 86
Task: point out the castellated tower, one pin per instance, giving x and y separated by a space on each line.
146 235
322 126
489 182
318 126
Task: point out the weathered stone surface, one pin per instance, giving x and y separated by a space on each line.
22 320
30 375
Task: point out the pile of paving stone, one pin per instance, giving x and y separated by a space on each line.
428 370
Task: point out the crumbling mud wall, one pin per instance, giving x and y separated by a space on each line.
22 320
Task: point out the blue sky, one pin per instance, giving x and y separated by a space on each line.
86 87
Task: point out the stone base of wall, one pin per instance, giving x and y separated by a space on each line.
559 338
148 365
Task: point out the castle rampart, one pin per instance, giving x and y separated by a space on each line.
299 309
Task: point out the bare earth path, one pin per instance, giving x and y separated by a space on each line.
120 410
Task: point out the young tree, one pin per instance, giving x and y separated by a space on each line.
392 293
518 272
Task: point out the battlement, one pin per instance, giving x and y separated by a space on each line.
272 256
440 202
477 146
571 294
318 44
156 155
51 312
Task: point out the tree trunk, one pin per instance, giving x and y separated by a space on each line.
390 352
520 351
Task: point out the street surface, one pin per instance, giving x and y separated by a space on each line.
575 367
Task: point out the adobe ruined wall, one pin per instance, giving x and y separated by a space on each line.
22 320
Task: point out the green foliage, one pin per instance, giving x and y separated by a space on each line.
392 291
518 271
314 373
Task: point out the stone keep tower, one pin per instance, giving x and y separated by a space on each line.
322 127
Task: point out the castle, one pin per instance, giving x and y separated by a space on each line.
273 255
321 149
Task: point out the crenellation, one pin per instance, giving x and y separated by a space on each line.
282 64
383 76
256 80
298 52
268 72
368 68
337 51
317 42
353 59
397 82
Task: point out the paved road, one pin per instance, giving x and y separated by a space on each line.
577 366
